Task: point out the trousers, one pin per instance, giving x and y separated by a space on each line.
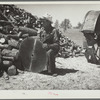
51 60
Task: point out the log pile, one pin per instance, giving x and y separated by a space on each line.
69 48
15 25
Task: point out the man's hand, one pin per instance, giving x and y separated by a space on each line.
45 46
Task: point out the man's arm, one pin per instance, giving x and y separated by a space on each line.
56 38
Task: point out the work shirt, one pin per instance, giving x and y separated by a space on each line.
52 39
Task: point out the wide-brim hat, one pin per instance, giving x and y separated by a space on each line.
48 17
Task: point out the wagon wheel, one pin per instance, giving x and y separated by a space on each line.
93 55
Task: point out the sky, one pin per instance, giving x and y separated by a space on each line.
74 12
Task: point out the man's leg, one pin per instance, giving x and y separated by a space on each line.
51 61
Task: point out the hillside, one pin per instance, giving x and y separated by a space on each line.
75 35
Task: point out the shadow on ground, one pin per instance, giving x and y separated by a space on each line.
61 71
98 66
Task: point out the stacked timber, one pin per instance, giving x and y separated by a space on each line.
15 25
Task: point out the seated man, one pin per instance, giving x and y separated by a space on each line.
50 38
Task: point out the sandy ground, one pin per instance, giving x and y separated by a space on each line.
73 74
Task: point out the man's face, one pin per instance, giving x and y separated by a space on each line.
43 23
46 23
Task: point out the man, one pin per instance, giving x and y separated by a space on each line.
50 38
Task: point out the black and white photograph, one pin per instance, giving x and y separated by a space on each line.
50 46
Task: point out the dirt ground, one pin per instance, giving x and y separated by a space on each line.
73 74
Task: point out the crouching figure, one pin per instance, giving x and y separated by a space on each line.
50 38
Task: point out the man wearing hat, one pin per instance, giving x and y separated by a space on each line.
50 38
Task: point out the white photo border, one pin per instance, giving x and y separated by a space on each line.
50 94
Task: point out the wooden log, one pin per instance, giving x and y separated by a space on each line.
12 70
4 46
3 22
13 43
9 53
7 63
7 58
25 30
24 35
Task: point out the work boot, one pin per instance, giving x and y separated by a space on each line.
55 74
